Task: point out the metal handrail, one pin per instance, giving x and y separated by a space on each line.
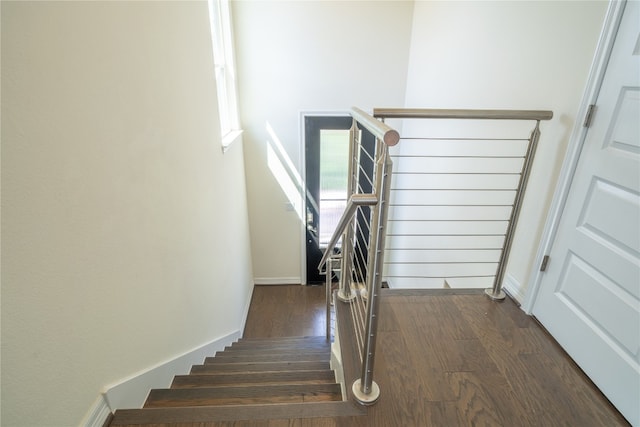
426 113
495 292
390 137
354 202
379 129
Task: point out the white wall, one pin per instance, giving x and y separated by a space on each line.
124 227
524 55
437 54
296 56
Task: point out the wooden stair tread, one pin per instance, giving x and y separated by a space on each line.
260 366
123 417
304 340
241 358
284 350
291 344
233 395
241 345
254 378
313 338
273 349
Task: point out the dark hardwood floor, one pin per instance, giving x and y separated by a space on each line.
445 358
449 358
462 359
286 311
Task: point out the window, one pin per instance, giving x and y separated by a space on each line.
334 165
221 36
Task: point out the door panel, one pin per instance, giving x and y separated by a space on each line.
589 296
313 127
324 199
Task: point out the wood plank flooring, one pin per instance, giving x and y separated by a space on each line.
445 358
286 311
474 361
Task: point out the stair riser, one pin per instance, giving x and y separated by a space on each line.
301 377
232 351
244 401
287 344
210 414
259 367
280 340
227 358
243 395
206 384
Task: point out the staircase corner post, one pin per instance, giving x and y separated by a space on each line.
365 389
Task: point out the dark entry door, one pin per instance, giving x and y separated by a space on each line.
326 163
326 154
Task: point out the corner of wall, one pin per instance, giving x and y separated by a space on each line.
246 308
513 288
97 414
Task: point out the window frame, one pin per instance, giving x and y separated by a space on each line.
224 71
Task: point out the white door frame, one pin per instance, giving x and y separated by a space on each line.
576 142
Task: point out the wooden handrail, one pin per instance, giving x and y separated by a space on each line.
380 130
425 113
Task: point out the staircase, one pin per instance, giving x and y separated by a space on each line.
250 380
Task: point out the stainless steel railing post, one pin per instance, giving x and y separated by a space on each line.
365 389
345 293
496 292
330 268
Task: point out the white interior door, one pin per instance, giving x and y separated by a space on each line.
589 295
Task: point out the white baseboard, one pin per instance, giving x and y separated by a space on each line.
513 288
277 281
132 392
97 414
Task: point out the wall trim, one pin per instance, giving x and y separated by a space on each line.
132 392
277 281
576 141
513 288
97 414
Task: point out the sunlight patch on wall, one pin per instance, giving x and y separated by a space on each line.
284 172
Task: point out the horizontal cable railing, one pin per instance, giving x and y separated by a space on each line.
439 209
457 187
